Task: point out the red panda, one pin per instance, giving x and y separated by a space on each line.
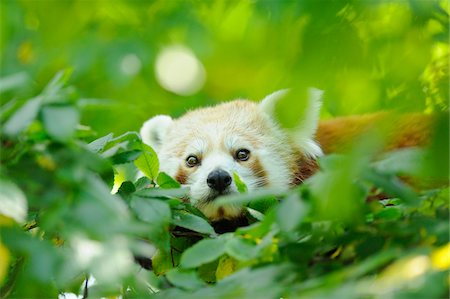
204 147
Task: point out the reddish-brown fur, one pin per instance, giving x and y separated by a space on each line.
259 171
181 176
303 168
339 134
336 135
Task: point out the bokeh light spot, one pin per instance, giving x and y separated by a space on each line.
179 71
130 64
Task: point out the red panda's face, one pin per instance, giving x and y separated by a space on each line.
206 147
208 165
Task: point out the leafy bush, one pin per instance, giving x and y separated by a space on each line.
73 208
62 227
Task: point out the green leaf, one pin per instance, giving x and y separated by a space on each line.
263 205
23 117
163 193
239 183
255 214
99 144
393 186
162 262
60 121
335 190
388 213
227 266
125 157
57 82
241 249
126 141
14 81
207 272
7 109
126 188
114 150
166 182
142 183
290 212
248 197
203 252
192 222
408 161
151 210
148 162
157 213
186 279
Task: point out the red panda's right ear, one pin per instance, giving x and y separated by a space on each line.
304 131
154 130
268 103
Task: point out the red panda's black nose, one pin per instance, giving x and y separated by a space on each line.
219 180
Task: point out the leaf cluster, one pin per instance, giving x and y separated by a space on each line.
62 226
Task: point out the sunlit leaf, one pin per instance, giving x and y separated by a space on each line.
13 202
166 182
148 162
4 261
239 183
162 262
226 267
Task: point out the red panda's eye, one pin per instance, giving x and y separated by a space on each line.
192 161
242 155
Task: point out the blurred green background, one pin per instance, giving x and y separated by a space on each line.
134 59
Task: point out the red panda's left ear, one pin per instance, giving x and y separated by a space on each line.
154 130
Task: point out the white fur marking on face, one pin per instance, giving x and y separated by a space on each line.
200 191
234 142
197 147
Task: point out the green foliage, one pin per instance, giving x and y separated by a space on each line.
72 204
60 223
366 55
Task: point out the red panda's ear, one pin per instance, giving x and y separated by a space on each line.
268 103
154 130
304 134
304 131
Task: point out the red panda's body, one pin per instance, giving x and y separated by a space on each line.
206 147
401 131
